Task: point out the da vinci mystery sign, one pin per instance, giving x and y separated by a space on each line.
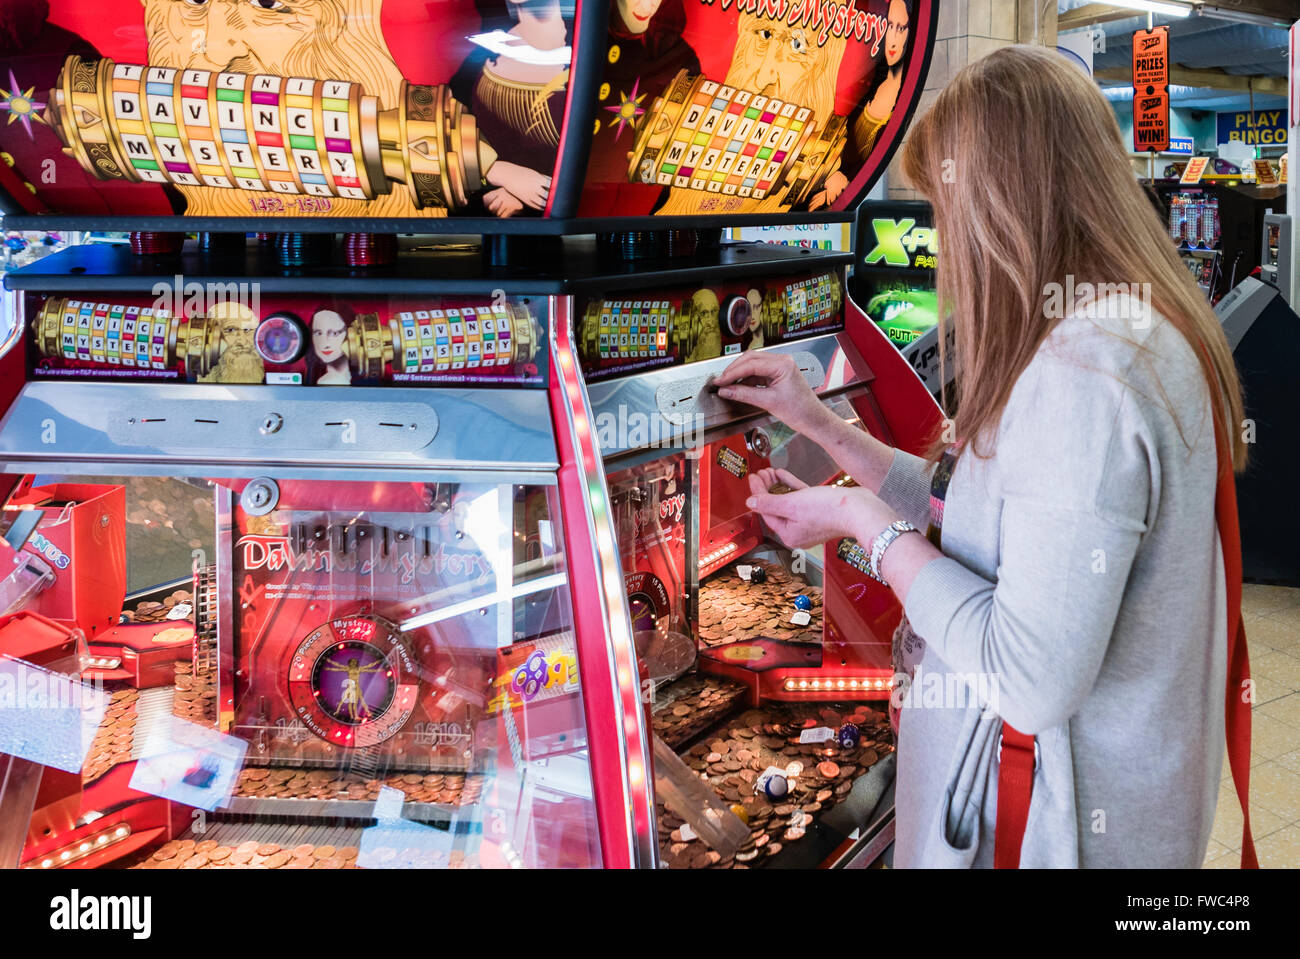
1151 90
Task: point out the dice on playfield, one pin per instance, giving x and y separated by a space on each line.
803 603
849 736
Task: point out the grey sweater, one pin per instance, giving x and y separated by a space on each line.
1081 599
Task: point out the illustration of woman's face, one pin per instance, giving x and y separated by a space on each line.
636 14
896 32
755 310
327 334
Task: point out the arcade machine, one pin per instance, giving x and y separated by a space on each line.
1264 334
893 279
767 671
295 523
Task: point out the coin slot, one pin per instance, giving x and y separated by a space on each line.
213 422
396 426
160 419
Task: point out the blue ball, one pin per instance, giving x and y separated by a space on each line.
849 736
802 602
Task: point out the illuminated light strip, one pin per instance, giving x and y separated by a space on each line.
80 849
717 554
639 790
864 683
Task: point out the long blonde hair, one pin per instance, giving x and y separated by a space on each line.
1030 182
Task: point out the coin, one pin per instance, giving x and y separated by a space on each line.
266 849
323 852
220 854
828 769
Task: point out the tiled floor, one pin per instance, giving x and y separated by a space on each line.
1272 615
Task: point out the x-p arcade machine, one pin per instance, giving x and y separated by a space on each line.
256 620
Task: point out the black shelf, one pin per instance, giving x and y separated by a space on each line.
541 226
573 267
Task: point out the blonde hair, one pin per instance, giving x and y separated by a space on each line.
1030 182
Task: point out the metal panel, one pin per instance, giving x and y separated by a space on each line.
830 363
265 426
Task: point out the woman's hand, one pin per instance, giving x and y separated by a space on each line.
763 481
784 393
812 515
531 187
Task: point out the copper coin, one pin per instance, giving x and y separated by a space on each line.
773 849
207 845
323 852
166 851
330 862
277 860
346 852
823 795
762 841
196 861
220 854
794 833
267 849
305 849
241 856
828 769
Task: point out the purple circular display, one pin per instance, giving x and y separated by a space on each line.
352 682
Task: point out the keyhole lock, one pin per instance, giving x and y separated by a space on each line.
260 496
271 423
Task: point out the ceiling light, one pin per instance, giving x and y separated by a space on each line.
1154 6
1240 16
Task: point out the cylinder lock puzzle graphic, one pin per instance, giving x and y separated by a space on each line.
287 135
705 135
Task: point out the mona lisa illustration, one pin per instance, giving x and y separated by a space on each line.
327 360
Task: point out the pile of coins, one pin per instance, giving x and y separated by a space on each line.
208 854
115 737
735 611
196 696
453 789
819 776
698 703
151 611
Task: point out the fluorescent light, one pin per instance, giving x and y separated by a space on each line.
1154 6
1238 16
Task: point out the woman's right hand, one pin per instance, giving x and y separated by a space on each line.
784 393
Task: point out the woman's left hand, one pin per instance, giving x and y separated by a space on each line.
817 514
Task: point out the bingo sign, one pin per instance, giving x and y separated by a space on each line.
1151 90
1258 128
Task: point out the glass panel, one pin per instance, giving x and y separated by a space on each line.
299 673
771 666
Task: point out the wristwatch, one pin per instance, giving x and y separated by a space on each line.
882 542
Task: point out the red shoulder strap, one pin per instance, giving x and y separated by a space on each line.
1016 771
1236 707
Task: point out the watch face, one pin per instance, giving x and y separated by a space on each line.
280 338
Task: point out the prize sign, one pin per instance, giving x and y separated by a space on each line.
1150 90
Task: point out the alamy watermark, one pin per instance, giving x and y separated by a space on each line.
1115 301
629 428
181 298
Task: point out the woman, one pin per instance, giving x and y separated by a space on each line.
327 362
886 81
517 93
1080 592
